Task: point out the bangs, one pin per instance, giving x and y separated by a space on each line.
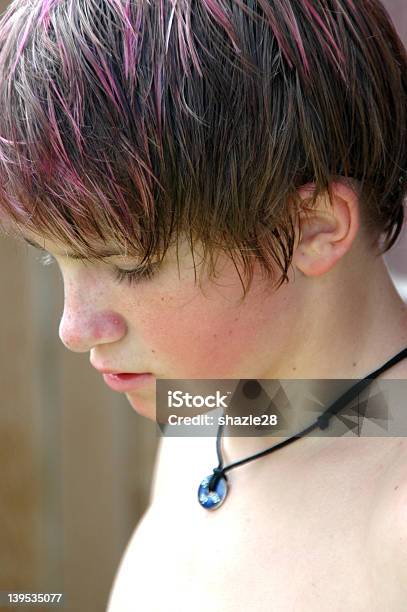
99 145
131 122
84 225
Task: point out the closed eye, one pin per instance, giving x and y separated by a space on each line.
136 275
132 276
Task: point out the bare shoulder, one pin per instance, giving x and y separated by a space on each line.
122 596
389 523
152 549
399 507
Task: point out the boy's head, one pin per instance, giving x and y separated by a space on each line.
136 122
224 126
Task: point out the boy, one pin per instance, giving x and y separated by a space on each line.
263 145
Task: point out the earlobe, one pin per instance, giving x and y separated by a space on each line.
328 230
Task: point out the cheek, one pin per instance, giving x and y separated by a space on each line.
203 338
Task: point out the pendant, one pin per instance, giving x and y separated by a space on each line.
211 500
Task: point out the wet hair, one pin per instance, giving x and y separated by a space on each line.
134 122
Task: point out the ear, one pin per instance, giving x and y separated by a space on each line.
327 230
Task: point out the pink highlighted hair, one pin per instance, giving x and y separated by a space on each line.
133 121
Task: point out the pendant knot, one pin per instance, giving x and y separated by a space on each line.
216 476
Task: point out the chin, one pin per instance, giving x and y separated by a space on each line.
144 406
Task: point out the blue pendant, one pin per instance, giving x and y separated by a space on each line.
210 500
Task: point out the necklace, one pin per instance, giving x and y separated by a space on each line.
213 489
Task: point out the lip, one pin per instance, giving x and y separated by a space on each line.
127 381
106 371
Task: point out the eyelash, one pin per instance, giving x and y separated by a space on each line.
134 276
130 276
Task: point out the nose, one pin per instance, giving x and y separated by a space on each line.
80 332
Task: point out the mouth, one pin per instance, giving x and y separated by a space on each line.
127 381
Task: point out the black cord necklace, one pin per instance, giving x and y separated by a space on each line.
213 489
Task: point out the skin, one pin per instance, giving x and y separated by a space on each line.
338 317
307 526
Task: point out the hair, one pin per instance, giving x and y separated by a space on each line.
133 122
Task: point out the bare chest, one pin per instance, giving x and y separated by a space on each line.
288 538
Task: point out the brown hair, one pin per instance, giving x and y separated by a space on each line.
134 121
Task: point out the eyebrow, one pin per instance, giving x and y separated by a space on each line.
106 253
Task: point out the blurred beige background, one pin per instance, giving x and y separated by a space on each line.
76 461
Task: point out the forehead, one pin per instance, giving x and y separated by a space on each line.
180 252
180 249
38 241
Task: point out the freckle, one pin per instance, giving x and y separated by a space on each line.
354 364
294 368
396 487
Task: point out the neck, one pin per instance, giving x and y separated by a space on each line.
359 322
